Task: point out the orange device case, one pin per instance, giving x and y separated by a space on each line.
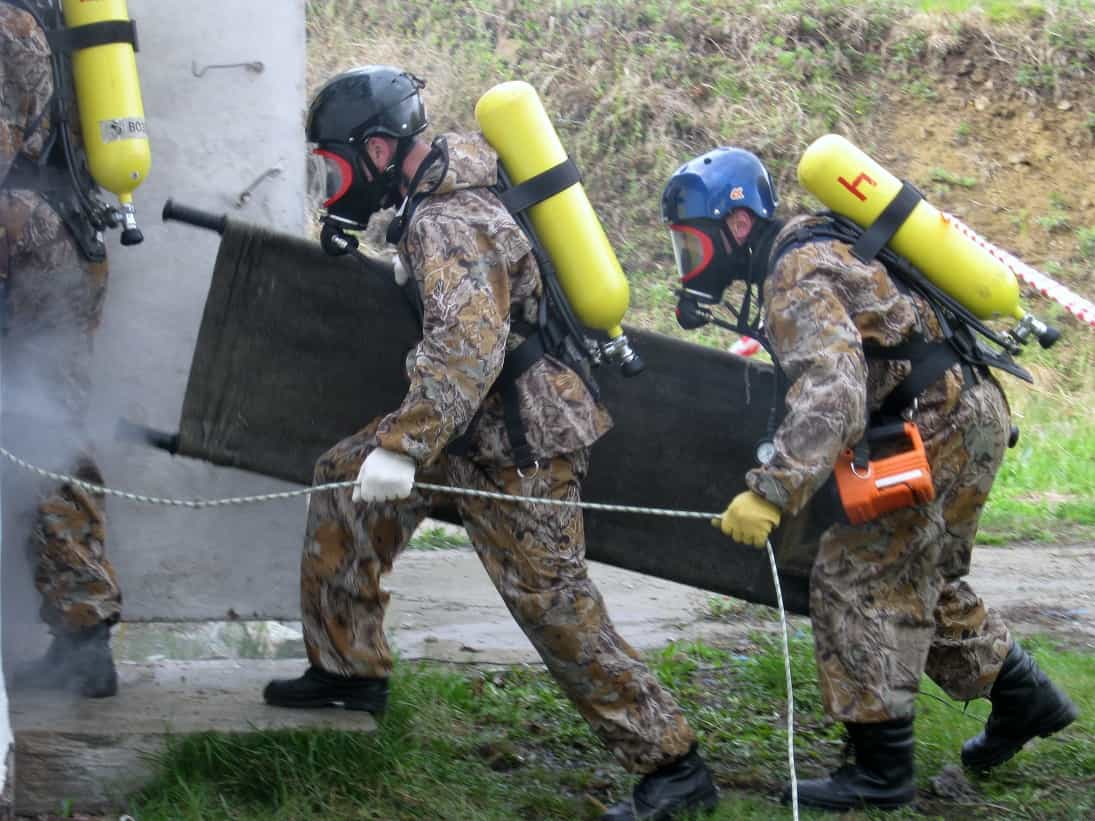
891 483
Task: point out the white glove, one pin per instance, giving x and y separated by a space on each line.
401 273
384 475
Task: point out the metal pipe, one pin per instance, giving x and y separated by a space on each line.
194 216
127 431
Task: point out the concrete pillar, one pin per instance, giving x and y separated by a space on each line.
7 775
212 136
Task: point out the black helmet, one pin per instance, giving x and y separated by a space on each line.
365 101
349 108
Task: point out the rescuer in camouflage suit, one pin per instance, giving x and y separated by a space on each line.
53 296
887 598
480 288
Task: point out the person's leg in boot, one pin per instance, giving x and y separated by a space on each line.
872 630
53 305
536 559
972 655
81 599
1025 705
347 547
93 663
881 774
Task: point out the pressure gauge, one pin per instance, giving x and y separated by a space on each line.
766 451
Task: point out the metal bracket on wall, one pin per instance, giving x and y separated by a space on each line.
246 193
256 66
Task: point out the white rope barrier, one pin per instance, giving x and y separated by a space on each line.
790 689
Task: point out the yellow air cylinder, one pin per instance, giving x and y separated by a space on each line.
514 121
855 186
108 95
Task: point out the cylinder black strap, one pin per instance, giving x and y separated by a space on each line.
537 189
90 35
882 229
519 360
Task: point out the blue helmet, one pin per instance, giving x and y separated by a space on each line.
713 184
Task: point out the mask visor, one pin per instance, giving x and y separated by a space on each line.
334 176
693 250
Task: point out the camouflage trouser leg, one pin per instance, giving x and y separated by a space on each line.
77 582
887 600
347 547
52 307
536 559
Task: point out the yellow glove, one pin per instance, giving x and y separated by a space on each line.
749 519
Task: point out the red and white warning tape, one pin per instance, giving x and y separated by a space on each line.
745 346
1075 304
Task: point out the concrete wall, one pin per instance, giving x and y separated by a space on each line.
211 137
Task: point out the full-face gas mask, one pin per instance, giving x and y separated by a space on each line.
351 107
348 193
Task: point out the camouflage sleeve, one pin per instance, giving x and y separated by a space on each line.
465 299
26 85
820 350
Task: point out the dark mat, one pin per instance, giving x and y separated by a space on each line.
297 350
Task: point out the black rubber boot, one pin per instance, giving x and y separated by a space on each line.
318 688
685 785
1025 704
882 775
93 662
78 662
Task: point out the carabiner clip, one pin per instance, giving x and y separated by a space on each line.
535 470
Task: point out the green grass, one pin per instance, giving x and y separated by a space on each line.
1086 237
1046 485
949 178
509 745
633 88
438 538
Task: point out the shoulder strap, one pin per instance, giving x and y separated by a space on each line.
930 360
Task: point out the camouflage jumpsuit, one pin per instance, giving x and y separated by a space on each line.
52 301
474 271
887 598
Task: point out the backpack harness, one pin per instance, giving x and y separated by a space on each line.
964 335
556 332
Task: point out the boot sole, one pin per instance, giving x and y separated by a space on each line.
321 703
1065 716
844 806
705 803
